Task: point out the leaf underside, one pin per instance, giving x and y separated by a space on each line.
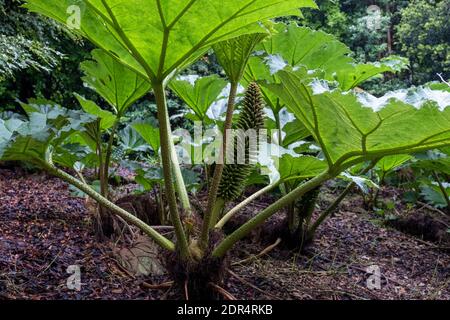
346 129
157 37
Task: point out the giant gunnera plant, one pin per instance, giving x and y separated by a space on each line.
297 71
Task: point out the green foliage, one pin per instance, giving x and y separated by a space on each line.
120 87
126 30
368 28
107 118
116 84
433 194
424 35
352 22
388 164
150 133
298 47
328 17
300 168
148 178
343 128
38 58
18 53
131 141
19 47
35 139
233 54
432 171
359 128
198 93
313 50
356 75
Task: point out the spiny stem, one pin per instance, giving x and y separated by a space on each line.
80 175
338 200
377 192
283 188
107 162
243 204
331 209
213 191
182 241
217 210
128 217
179 181
443 190
103 177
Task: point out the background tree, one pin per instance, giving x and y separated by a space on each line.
424 37
415 29
30 44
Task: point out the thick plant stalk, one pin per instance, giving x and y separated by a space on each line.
182 241
213 191
377 192
230 214
245 229
304 209
217 211
283 188
104 222
128 217
330 209
107 162
179 181
338 201
292 219
443 190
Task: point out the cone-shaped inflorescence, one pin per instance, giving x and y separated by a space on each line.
250 119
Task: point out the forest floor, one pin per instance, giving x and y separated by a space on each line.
44 230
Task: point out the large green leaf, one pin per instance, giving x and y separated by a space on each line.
149 133
296 46
302 167
156 37
233 54
433 161
8 127
75 156
347 126
117 84
351 75
130 141
390 163
315 50
433 194
303 46
295 131
199 94
107 119
46 128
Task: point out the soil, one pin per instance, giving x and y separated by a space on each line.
44 230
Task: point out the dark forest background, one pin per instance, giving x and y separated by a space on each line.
39 58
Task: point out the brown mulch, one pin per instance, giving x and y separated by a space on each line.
43 230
